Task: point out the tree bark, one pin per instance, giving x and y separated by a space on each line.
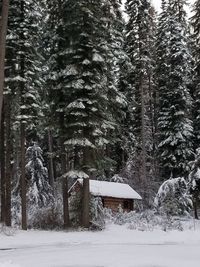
51 167
66 218
23 179
23 124
86 200
86 190
195 210
143 140
2 159
8 160
3 32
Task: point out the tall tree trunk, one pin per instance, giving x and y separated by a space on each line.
8 159
23 124
3 31
195 208
85 206
66 218
51 168
2 162
143 139
23 179
86 192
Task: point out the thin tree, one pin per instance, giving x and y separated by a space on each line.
3 32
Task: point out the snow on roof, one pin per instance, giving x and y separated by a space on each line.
111 189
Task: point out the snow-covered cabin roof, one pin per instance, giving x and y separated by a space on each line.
111 189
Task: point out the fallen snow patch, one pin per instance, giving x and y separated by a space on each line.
8 264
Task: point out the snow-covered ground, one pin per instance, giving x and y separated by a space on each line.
116 246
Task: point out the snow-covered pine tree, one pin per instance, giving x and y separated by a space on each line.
194 182
55 45
179 11
139 45
195 23
114 161
174 125
173 197
39 191
22 79
79 93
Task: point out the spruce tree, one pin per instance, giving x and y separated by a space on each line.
22 80
174 124
114 160
39 191
139 45
195 22
78 93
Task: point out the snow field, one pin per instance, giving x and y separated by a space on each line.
117 246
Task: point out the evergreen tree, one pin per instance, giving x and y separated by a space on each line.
39 191
79 93
139 47
194 183
22 83
174 124
114 160
195 22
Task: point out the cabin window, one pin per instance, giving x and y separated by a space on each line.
103 203
126 204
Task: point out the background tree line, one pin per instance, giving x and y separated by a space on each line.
101 95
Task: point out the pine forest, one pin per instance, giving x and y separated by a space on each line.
93 92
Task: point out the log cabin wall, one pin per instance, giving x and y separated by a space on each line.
114 204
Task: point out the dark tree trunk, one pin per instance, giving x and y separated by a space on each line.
3 31
23 126
85 207
8 160
195 209
66 218
86 190
51 167
23 179
2 159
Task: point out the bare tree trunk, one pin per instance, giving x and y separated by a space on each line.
143 139
66 218
8 160
86 200
86 191
23 125
2 159
195 209
23 179
3 31
51 168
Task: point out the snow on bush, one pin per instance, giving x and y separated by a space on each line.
148 220
96 210
173 197
40 200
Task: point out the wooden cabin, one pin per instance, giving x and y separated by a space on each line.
114 195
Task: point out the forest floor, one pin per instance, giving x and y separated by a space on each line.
116 246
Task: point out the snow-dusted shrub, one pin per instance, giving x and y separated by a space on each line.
9 231
47 218
194 178
40 199
96 210
173 197
117 178
75 208
148 220
39 190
